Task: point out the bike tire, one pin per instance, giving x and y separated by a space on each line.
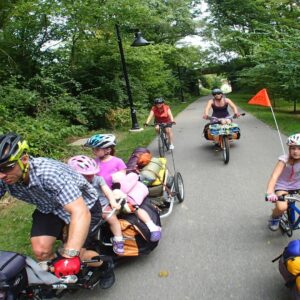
161 146
285 225
179 187
166 142
225 148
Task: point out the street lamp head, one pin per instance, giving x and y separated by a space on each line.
139 40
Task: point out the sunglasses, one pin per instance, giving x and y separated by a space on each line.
217 94
8 167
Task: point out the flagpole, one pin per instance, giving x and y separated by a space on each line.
277 129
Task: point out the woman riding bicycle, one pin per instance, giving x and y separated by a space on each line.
162 114
284 179
219 104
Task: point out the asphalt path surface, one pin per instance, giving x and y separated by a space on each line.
216 244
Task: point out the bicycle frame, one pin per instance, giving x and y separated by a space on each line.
163 141
293 209
290 221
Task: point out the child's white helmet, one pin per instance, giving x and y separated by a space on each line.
293 140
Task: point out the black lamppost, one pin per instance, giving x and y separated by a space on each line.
138 42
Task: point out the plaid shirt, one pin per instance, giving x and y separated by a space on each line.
52 185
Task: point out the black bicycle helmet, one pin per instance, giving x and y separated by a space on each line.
216 92
159 100
8 146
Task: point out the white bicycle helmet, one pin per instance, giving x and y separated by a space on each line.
101 141
293 140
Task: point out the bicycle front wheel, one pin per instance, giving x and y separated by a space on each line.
225 148
161 146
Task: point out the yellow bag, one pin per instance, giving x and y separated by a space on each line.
161 174
153 173
293 265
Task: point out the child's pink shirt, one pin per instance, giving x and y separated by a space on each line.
107 168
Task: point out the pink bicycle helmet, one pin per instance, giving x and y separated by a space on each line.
83 165
293 140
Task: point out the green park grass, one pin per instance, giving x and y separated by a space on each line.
288 121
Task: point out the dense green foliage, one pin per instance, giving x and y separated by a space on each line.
257 44
60 70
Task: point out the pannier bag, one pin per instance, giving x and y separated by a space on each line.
206 132
231 129
13 276
153 173
132 164
136 234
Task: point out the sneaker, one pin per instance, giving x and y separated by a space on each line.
107 275
155 235
118 247
273 223
171 147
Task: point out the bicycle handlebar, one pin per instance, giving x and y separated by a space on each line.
160 124
234 116
288 197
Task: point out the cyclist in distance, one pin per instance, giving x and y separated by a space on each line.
219 105
285 179
162 114
62 197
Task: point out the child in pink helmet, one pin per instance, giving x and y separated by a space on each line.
88 168
284 179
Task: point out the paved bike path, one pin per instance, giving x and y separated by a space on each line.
216 244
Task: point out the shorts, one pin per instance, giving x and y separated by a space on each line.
103 200
52 225
166 125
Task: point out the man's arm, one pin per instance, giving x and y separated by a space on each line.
79 224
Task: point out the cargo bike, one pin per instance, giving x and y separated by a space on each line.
223 134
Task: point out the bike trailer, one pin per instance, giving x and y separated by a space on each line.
13 276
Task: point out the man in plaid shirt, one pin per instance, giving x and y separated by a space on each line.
62 197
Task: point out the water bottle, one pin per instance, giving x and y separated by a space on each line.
69 279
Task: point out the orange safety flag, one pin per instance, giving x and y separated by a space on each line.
261 98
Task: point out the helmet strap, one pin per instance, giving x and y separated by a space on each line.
24 167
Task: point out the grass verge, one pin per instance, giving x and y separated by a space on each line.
288 121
